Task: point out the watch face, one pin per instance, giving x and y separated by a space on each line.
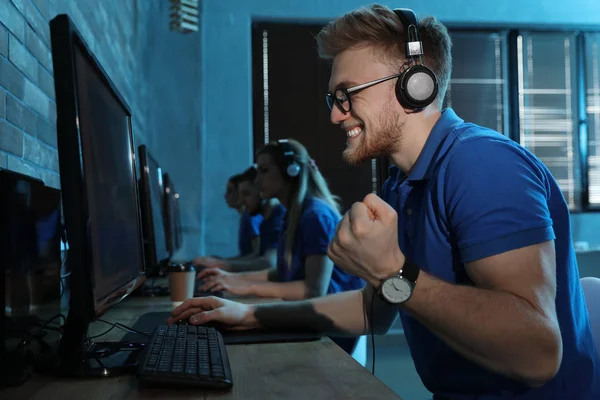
396 290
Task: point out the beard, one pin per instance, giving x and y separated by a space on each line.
376 140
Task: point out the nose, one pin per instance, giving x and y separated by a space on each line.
337 116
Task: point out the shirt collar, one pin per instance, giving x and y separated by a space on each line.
422 168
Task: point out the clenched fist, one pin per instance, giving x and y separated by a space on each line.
366 241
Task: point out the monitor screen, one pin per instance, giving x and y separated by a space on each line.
110 181
151 191
172 217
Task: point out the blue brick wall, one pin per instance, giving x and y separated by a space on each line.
157 72
27 108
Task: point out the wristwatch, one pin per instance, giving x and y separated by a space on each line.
398 288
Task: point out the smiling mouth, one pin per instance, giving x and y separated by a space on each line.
353 132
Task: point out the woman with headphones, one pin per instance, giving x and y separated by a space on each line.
303 269
272 215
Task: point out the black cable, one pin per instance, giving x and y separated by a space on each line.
62 277
25 339
103 333
120 326
372 333
126 328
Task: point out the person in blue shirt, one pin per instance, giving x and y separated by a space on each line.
248 231
270 230
471 244
302 268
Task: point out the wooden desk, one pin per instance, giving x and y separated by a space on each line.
310 370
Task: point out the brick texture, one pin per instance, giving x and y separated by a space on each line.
20 115
11 139
134 46
27 106
2 103
21 58
13 19
3 41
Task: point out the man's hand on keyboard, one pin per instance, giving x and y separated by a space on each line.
203 310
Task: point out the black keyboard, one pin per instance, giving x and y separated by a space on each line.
186 355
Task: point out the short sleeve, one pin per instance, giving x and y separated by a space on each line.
317 229
247 232
255 222
496 196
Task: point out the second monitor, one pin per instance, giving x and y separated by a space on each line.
152 200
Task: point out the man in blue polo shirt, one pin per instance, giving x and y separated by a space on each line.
471 243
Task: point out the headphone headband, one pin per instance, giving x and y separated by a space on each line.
413 45
417 86
286 147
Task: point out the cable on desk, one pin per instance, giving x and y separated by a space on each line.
117 325
62 277
103 333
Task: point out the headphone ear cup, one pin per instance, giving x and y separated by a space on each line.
417 87
293 170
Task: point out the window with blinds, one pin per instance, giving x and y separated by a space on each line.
477 90
548 115
592 86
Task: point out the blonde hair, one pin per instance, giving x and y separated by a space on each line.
309 182
379 27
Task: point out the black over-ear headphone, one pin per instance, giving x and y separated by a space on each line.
292 167
417 87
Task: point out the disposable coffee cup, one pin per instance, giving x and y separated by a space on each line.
182 279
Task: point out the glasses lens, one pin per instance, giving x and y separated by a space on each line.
342 100
329 99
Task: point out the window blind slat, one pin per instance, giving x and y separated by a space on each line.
476 89
548 106
592 84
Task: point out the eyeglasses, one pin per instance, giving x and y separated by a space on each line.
341 97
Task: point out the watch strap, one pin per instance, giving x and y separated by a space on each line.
410 270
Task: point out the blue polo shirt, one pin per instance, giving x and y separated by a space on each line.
316 228
271 229
249 229
474 193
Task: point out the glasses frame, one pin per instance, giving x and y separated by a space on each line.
334 98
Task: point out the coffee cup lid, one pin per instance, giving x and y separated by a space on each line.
185 267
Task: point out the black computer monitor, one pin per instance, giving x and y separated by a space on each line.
152 205
100 201
172 215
